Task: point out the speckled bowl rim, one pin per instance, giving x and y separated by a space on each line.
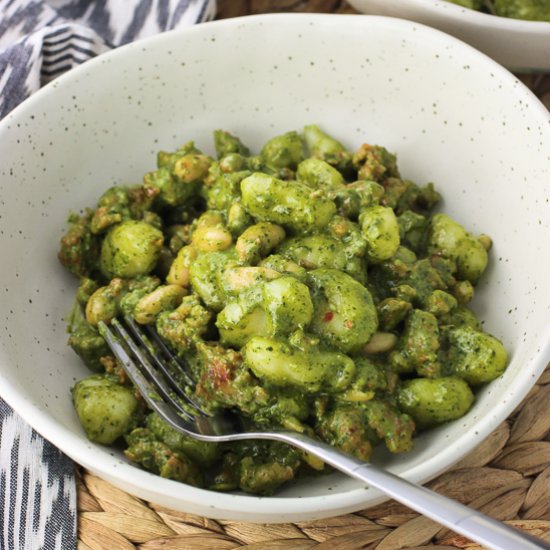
272 509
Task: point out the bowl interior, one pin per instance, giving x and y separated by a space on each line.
453 116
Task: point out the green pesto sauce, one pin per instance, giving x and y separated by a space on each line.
316 292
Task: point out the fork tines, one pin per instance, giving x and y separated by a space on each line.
151 367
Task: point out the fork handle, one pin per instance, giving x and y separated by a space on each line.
463 520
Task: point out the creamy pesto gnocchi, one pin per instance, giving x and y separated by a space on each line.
307 286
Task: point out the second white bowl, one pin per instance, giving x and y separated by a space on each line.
519 45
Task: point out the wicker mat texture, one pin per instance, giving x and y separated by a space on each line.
507 476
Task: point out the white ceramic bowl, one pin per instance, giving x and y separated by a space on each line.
452 115
516 44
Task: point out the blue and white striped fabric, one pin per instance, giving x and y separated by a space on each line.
37 489
39 40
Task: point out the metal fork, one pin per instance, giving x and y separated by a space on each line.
162 382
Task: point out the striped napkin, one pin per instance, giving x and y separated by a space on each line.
39 40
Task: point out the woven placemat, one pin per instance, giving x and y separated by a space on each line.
507 476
